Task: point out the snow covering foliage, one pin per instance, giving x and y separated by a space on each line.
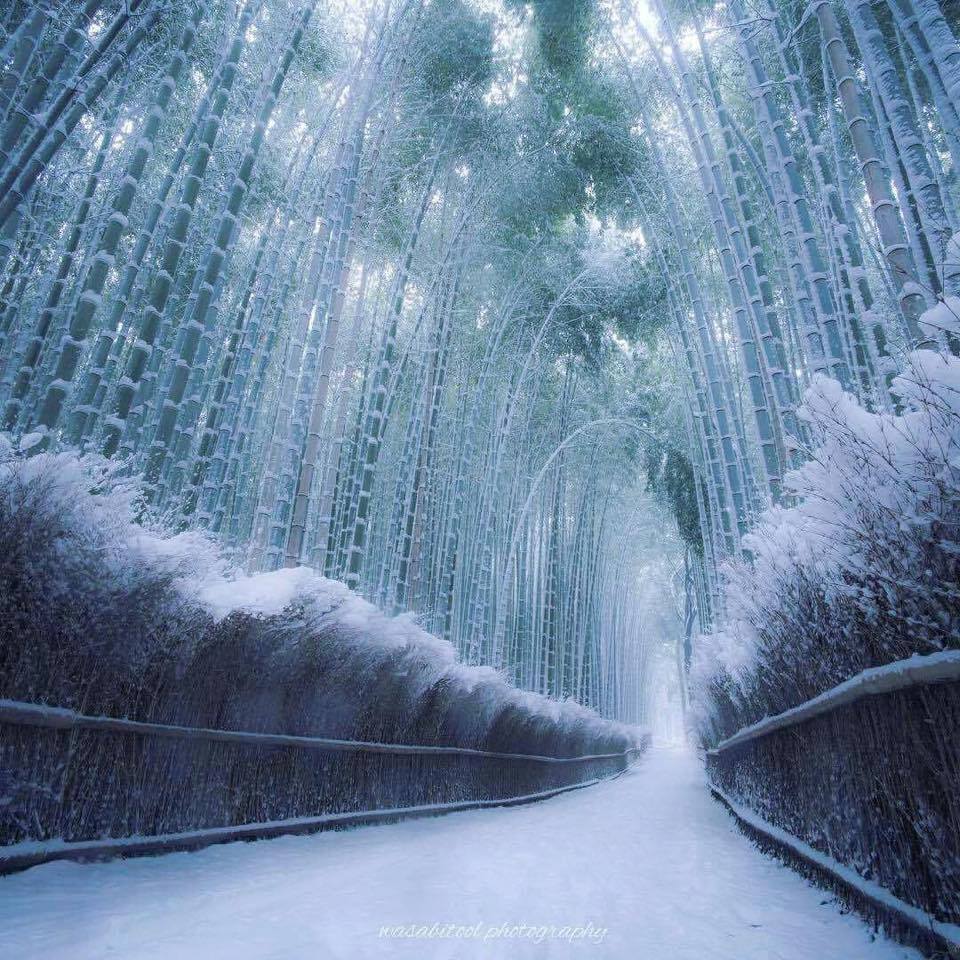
944 317
861 568
101 613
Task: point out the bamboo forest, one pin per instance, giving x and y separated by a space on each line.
420 407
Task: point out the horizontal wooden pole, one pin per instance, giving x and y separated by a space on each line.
38 715
31 853
916 671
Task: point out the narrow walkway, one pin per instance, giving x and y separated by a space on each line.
648 867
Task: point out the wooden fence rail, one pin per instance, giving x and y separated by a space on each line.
98 787
859 788
915 671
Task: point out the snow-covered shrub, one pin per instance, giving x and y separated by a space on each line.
103 615
861 568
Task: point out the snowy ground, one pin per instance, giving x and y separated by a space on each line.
648 867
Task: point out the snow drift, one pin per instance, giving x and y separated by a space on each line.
861 569
102 614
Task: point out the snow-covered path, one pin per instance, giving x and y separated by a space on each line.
648 866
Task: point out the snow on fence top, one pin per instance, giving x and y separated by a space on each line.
915 671
41 715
